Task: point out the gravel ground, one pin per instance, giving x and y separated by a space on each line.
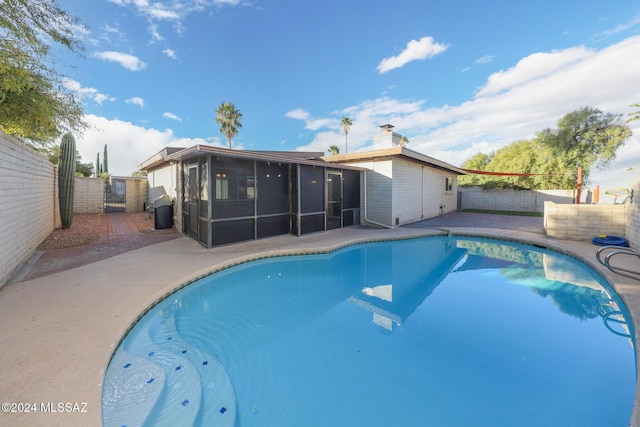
86 228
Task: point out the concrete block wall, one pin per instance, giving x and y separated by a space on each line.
513 200
28 188
584 222
632 230
88 195
136 197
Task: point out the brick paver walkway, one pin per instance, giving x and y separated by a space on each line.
119 234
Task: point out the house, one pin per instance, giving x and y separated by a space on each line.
402 186
224 196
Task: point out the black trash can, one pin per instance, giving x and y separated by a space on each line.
163 217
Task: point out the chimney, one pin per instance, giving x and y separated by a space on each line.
387 138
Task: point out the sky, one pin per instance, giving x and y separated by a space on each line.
455 77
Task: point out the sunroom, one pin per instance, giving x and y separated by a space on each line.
227 196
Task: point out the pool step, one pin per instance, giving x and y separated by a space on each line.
157 379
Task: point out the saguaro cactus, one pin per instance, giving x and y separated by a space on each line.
66 178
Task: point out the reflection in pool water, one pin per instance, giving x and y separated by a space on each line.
438 331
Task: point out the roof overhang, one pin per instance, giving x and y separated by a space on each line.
398 152
158 159
291 157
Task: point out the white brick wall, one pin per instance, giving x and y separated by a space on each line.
408 191
419 191
379 191
27 203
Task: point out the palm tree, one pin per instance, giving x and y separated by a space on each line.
228 117
334 149
404 141
346 123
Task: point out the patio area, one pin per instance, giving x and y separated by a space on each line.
60 328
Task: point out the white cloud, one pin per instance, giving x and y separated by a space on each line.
310 122
170 53
298 114
130 62
174 12
136 100
87 92
484 59
622 27
128 144
535 66
171 116
513 104
421 49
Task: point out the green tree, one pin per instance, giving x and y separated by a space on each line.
97 165
478 162
228 117
404 141
334 149
346 125
587 137
82 169
34 107
105 161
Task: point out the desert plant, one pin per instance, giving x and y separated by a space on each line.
66 178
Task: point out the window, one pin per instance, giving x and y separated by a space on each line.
234 184
448 184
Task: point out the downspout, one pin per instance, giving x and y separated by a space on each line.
365 206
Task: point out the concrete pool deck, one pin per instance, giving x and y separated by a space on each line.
58 331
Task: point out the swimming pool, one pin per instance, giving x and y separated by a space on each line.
442 331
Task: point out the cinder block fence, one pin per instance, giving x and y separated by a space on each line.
28 201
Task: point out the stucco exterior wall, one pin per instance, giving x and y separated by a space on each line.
28 200
513 200
163 181
584 222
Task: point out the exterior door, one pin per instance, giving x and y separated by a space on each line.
192 203
334 200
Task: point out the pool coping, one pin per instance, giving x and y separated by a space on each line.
53 355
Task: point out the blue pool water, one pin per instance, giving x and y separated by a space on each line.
439 331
